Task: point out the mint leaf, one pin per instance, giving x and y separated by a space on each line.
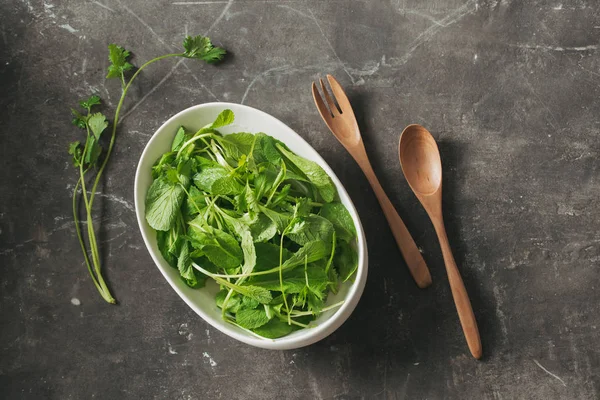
341 219
200 47
207 176
179 139
224 118
221 248
313 172
188 273
274 329
237 144
311 228
163 202
345 261
233 304
251 318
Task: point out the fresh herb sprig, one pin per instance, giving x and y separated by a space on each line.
261 221
87 156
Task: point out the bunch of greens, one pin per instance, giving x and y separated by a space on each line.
88 158
261 221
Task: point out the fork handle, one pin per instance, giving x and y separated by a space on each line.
412 256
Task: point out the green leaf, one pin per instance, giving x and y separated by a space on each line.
310 252
224 118
90 102
233 304
195 201
79 120
267 256
164 162
188 273
237 144
274 329
118 61
313 172
207 176
169 243
262 295
262 227
345 261
265 150
311 228
179 139
249 302
75 151
220 247
92 151
247 243
225 186
97 123
280 220
341 219
251 318
163 202
200 47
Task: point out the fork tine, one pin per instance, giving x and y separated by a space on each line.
332 107
340 95
323 110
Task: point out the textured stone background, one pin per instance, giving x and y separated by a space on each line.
510 89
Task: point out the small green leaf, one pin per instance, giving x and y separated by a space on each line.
311 228
200 47
233 304
188 273
251 318
97 123
78 120
179 139
313 172
224 118
118 58
220 247
163 202
341 219
90 102
92 151
274 329
345 261
280 220
207 176
75 151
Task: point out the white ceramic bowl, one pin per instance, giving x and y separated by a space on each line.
247 119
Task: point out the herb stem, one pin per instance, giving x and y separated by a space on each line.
116 120
80 236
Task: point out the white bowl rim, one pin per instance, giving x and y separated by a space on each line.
310 335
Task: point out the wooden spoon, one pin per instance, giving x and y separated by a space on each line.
422 167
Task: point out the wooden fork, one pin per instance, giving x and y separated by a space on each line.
342 123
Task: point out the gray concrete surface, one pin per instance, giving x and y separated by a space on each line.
510 89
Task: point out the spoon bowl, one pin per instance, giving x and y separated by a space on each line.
420 159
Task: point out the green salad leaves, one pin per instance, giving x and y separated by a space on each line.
262 222
90 160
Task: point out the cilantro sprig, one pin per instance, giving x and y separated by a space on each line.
89 157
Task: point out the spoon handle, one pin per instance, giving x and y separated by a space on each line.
460 295
410 252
